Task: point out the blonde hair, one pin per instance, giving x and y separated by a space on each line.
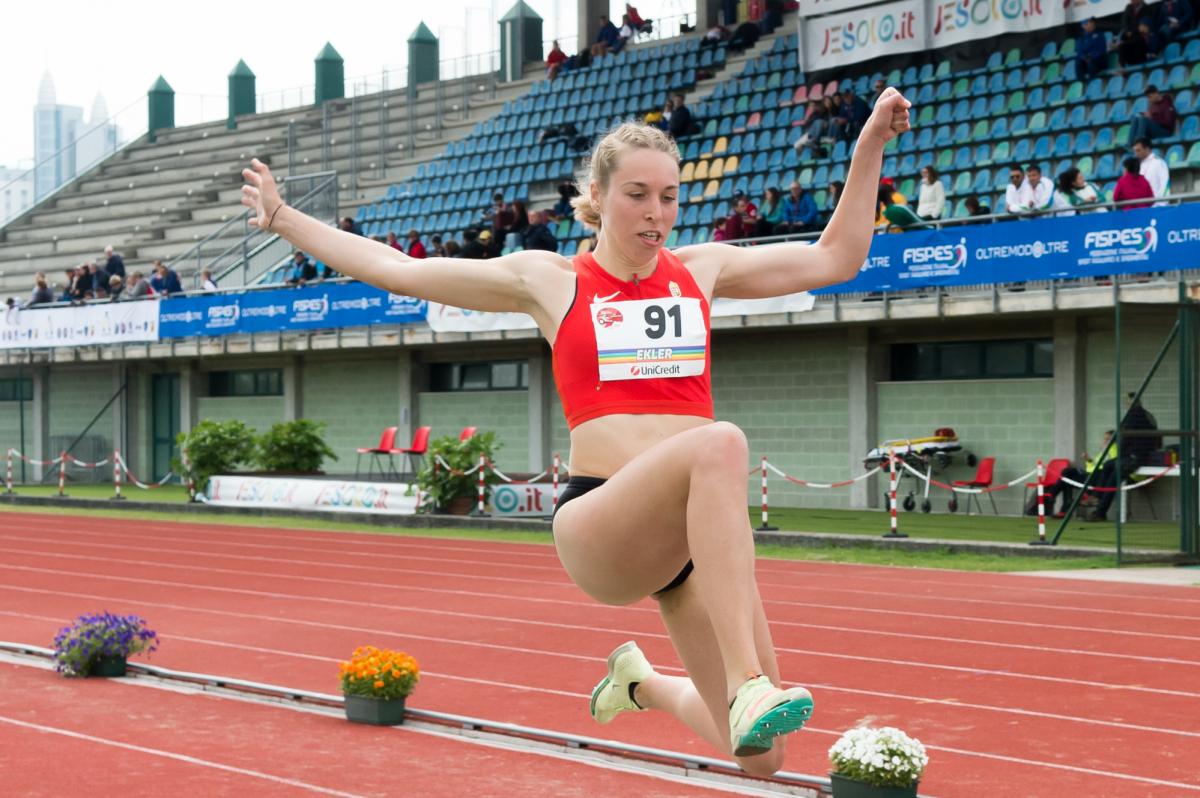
603 162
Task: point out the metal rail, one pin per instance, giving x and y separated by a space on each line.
782 783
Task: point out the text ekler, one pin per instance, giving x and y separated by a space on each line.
654 354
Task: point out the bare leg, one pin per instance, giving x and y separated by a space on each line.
699 701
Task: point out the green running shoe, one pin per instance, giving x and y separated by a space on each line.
761 712
626 665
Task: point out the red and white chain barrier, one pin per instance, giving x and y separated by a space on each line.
554 483
62 474
1041 497
959 489
133 480
1131 486
8 471
764 526
894 527
481 509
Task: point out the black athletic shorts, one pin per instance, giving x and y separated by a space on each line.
577 486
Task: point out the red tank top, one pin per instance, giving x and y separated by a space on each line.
634 347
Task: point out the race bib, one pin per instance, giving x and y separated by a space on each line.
649 338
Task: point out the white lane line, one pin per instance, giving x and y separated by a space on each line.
581 604
580 627
557 569
529 688
191 760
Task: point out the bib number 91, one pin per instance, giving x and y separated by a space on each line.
656 319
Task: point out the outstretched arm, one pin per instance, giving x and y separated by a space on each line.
502 284
778 269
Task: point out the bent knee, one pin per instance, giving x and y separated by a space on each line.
724 446
763 765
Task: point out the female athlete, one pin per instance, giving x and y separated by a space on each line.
656 502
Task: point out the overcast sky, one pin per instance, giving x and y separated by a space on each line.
119 48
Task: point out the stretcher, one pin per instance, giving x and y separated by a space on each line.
931 454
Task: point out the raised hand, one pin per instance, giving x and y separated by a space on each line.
260 194
890 117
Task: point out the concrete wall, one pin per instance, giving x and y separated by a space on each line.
356 399
1011 420
258 412
76 395
503 412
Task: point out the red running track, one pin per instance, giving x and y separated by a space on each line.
1018 685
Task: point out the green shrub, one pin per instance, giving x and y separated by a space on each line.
441 485
214 447
293 446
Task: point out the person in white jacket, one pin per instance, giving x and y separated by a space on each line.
931 200
1041 188
1153 168
1017 195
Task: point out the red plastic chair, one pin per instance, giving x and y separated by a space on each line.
983 479
467 433
1051 477
387 443
417 449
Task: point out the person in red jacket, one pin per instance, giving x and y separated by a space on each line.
656 502
554 60
415 248
1132 186
1158 120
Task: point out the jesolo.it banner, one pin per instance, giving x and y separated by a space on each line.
80 325
838 32
863 33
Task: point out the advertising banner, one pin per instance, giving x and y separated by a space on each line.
840 39
81 325
445 318
1088 245
312 494
815 8
523 501
312 307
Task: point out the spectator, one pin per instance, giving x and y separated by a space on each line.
931 200
512 238
1136 451
165 281
1132 186
1041 188
563 208
207 283
113 262
554 60
1153 168
1061 488
472 247
41 294
976 208
537 235
608 40
680 123
99 280
718 231
67 294
1158 120
799 211
1078 190
1136 46
115 286
137 287
658 118
348 225
741 220
626 31
751 208
744 37
877 89
415 248
1018 196
896 214
1091 50
83 281
1060 202
851 116
832 196
500 214
814 128
436 250
393 241
714 36
1174 18
303 270
772 213
453 250
897 199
